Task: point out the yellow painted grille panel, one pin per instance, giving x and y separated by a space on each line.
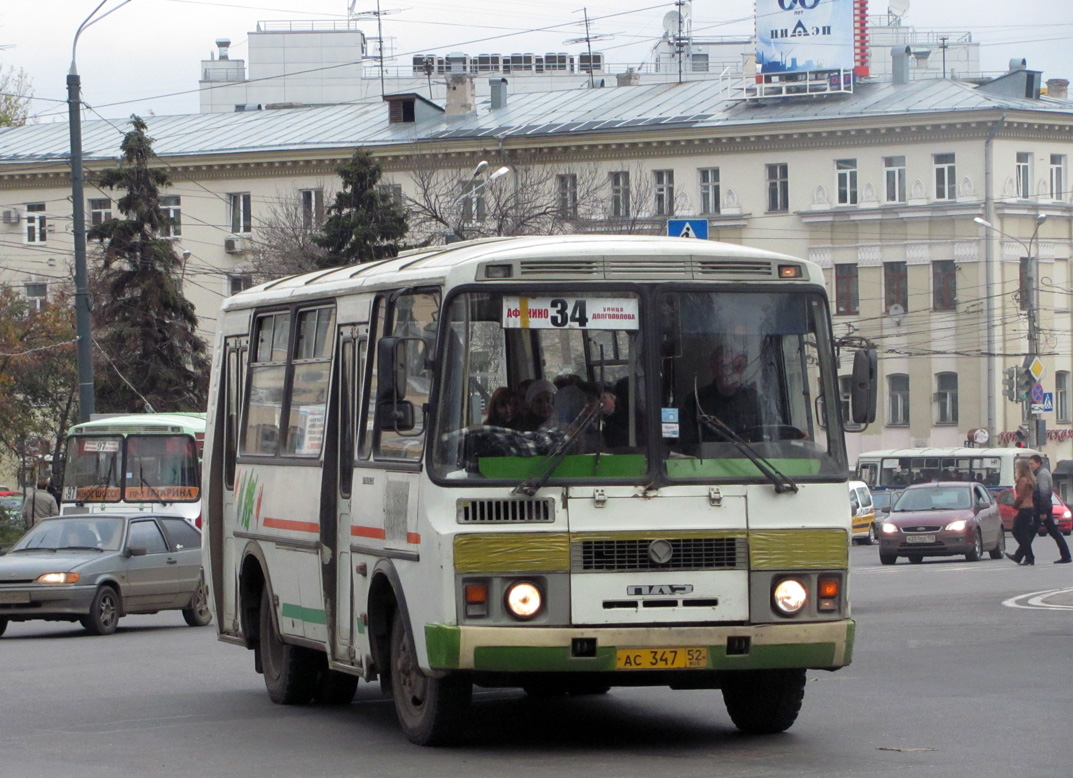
808 549
528 552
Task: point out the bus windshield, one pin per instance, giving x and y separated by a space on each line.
134 468
541 388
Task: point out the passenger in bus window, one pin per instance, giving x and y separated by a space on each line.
501 408
539 405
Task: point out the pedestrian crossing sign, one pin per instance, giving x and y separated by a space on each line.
688 228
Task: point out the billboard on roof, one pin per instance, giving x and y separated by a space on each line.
794 36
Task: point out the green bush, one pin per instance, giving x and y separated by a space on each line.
11 528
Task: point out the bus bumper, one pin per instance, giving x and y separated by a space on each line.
823 645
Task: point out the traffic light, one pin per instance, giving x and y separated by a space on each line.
1021 437
1025 381
1011 384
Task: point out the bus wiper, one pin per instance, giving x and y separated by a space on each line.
141 477
782 482
551 461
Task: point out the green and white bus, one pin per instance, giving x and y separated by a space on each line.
367 517
135 463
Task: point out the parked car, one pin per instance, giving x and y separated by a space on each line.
1059 510
97 568
11 502
942 519
862 512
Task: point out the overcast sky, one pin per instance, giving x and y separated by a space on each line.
145 57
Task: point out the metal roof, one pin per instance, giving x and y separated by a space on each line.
697 104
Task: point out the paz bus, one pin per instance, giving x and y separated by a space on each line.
897 468
364 521
133 463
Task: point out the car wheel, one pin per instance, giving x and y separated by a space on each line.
977 550
198 614
871 539
916 559
290 671
888 559
430 710
1000 547
763 702
103 615
3 625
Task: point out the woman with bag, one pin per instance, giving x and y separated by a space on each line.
1024 524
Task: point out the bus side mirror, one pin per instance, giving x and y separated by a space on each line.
397 415
865 386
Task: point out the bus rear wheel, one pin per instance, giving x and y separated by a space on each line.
290 671
430 710
763 702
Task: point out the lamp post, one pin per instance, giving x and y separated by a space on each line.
1031 290
471 189
86 400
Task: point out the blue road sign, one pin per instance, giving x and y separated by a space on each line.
688 228
1037 393
1048 402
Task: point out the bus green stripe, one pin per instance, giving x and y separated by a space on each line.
311 615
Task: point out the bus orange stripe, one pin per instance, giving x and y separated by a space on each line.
368 532
414 538
296 526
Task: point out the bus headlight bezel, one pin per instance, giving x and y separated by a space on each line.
523 600
789 596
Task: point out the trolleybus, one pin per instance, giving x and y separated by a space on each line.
368 517
897 468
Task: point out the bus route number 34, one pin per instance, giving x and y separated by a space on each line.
661 658
569 313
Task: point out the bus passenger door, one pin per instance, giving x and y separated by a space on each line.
224 588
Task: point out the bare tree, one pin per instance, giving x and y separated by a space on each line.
636 213
283 241
16 92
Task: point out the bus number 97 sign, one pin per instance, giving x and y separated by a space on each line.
570 313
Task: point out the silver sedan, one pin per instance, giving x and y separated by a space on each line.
95 569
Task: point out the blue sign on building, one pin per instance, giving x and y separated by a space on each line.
688 228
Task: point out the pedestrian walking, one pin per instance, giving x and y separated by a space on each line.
38 504
1024 524
1044 511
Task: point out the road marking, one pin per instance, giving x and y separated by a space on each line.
1038 600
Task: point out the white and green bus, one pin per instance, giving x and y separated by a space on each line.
135 463
370 516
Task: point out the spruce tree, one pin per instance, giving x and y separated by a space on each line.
365 222
145 327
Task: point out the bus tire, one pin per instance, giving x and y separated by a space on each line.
763 702
103 616
198 614
334 687
430 710
290 671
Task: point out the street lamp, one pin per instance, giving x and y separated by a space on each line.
1031 290
86 401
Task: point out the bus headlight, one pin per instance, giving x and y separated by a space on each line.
524 599
789 596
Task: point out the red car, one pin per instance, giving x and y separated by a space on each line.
1059 510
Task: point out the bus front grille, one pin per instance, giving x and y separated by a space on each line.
617 556
494 511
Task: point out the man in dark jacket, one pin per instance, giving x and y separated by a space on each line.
1044 513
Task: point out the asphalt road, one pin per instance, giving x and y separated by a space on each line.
960 670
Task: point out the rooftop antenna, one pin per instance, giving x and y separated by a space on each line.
896 11
352 14
588 39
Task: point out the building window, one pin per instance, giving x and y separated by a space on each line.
239 282
241 222
944 285
1061 396
945 177
171 205
895 286
898 400
894 175
709 190
566 188
663 192
846 295
946 398
778 188
473 206
847 181
1058 176
1024 175
620 194
36 296
36 223
100 211
700 63
312 208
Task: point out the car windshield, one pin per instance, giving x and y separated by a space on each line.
104 533
938 499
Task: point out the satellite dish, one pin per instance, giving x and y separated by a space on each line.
671 22
897 8
896 312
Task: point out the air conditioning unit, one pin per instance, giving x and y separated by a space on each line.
235 245
11 217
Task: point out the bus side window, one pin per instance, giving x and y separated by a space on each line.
233 385
367 373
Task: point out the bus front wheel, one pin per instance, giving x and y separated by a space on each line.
430 710
763 702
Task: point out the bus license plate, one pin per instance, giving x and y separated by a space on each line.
919 538
661 658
